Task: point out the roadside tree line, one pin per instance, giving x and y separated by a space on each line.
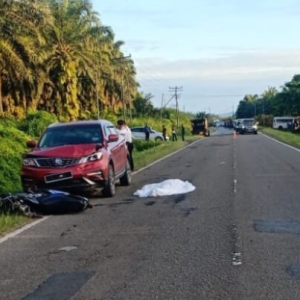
272 102
57 56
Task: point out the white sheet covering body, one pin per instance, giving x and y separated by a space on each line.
165 188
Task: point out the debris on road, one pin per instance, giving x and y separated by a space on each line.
165 188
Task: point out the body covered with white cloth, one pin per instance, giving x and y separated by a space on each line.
165 188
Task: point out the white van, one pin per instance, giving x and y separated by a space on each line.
283 122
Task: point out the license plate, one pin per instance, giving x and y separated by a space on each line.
58 177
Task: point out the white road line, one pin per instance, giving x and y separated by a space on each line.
234 185
32 224
167 156
279 142
25 227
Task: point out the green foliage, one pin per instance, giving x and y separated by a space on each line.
272 102
140 145
12 146
60 67
9 221
142 105
37 122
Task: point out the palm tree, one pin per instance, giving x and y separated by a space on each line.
68 52
20 38
56 55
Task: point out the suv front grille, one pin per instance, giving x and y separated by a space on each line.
57 162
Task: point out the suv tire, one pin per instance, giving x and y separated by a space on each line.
126 177
110 185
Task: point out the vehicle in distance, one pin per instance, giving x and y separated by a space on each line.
283 122
82 155
247 126
138 133
200 126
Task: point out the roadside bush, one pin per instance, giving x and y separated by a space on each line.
37 122
141 145
12 147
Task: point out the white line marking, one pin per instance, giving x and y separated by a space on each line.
279 142
25 227
167 156
32 224
234 185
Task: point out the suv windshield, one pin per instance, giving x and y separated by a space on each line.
71 135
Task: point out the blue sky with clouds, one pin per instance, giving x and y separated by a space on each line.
217 50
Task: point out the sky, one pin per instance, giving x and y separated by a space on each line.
216 50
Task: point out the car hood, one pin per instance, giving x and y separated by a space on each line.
65 151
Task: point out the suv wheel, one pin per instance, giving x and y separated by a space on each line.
158 139
110 186
126 178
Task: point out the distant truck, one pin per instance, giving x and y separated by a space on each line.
200 126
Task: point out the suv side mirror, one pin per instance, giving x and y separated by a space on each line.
113 137
31 144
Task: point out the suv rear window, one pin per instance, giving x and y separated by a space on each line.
71 135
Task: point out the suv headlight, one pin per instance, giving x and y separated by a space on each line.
254 126
29 162
93 157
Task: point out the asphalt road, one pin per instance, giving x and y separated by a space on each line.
236 237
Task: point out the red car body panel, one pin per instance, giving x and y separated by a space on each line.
63 164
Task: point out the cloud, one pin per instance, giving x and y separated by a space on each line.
218 82
229 65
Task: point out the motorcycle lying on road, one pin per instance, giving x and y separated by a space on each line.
43 202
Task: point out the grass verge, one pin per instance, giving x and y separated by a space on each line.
10 222
287 137
146 157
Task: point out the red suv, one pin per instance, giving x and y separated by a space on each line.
77 156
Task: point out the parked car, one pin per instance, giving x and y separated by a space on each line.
82 155
138 133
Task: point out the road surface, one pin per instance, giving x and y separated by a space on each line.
236 237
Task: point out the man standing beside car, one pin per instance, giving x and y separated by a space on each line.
126 132
147 132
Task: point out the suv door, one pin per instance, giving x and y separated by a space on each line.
118 149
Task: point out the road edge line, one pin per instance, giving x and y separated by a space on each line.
279 142
21 229
167 156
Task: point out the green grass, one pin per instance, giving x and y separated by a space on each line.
290 138
146 157
11 221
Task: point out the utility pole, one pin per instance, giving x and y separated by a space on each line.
176 89
162 106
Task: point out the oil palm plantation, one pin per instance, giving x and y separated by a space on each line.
56 55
